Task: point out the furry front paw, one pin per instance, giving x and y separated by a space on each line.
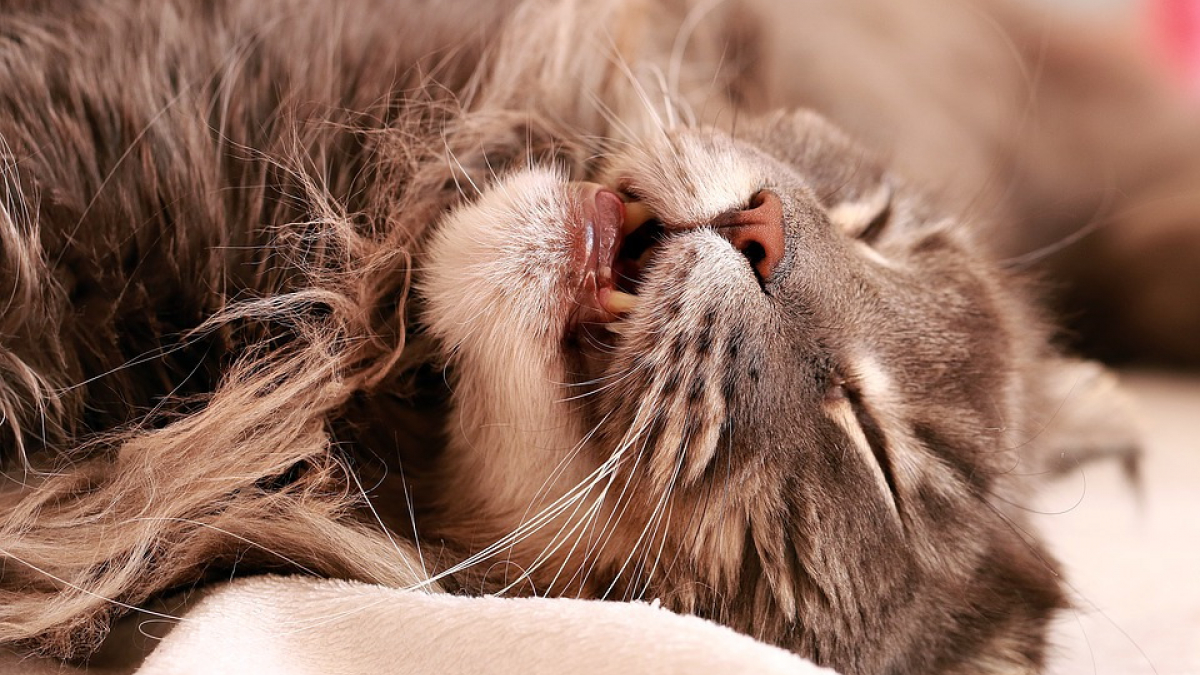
515 268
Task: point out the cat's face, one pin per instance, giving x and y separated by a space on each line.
752 376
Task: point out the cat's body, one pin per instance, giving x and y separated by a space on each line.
267 259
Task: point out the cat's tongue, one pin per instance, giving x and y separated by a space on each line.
601 219
605 220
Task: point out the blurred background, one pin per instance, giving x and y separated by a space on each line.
1094 6
1132 549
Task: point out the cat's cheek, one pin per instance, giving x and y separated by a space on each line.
500 268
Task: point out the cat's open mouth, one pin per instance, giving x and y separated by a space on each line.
618 239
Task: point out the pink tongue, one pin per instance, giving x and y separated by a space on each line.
607 220
610 211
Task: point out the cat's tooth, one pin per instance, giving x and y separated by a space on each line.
636 214
619 303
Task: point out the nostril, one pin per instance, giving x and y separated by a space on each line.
755 253
757 232
759 248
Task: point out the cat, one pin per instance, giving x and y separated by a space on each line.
553 289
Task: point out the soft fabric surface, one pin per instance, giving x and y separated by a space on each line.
297 626
305 626
1131 555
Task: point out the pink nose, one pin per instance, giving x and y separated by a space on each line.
757 232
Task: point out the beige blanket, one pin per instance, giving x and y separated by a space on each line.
304 626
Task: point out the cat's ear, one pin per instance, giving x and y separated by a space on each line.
1086 416
862 214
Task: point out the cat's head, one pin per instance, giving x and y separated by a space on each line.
758 378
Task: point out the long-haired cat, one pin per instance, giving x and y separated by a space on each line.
556 290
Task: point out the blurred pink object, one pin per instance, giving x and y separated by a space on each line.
1176 24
